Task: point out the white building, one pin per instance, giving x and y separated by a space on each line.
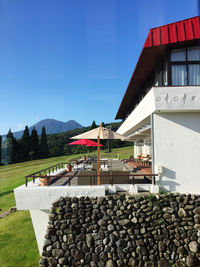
161 106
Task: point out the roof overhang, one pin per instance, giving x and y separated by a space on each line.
158 40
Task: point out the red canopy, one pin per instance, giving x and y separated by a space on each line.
84 142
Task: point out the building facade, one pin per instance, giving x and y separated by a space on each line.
161 106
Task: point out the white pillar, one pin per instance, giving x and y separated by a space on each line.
40 221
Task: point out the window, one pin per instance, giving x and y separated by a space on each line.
178 55
179 75
161 75
185 66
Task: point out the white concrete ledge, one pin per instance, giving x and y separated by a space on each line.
42 197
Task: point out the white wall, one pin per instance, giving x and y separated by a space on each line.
177 149
140 113
42 197
40 222
180 98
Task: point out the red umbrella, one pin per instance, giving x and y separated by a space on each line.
84 142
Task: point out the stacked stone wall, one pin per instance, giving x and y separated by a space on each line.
124 230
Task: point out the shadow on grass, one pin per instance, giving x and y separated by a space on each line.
6 193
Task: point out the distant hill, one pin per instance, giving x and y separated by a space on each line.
52 127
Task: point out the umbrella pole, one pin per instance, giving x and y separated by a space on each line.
98 156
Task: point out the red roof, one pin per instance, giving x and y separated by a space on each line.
180 31
158 39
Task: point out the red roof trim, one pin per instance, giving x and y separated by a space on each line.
181 31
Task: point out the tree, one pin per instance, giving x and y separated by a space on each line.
25 145
34 150
9 148
0 148
16 151
44 150
93 125
103 124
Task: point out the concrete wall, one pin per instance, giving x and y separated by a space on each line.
40 221
177 149
42 197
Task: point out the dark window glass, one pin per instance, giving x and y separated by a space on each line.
178 55
179 75
194 53
194 74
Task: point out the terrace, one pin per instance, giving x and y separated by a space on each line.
81 180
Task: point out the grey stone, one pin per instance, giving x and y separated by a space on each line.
49 248
134 220
197 210
110 263
161 246
110 227
51 261
181 250
56 244
93 264
132 262
141 250
106 241
120 263
64 246
57 253
197 218
98 249
162 263
102 222
62 261
191 261
197 226
193 246
47 242
176 242
103 256
43 262
121 243
89 240
182 213
119 213
168 210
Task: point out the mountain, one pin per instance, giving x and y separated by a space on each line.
52 127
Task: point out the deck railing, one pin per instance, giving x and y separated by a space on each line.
92 177
43 173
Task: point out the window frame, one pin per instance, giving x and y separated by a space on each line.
186 63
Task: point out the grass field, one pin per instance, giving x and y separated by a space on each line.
17 239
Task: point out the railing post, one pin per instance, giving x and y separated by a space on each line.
153 180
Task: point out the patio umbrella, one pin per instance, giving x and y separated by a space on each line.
99 133
104 134
84 142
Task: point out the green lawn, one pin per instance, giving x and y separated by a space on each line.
18 245
17 239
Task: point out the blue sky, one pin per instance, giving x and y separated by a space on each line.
73 59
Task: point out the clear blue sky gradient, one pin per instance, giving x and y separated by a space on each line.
73 59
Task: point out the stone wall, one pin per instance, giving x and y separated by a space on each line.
124 230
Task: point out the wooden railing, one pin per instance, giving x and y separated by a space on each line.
40 174
92 176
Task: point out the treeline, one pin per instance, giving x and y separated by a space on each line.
57 143
29 147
